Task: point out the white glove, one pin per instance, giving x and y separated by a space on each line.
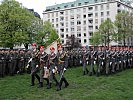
53 70
64 69
110 63
30 60
27 66
94 62
102 63
37 66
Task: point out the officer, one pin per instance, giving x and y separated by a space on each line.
34 64
43 63
62 65
52 67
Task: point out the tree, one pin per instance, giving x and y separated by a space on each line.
46 35
14 23
96 39
72 42
107 29
123 25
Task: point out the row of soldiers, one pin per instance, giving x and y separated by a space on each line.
48 65
13 62
106 62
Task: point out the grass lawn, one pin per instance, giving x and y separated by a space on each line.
114 87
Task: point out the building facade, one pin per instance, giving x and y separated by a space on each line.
83 17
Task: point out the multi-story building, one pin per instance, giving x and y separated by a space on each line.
83 17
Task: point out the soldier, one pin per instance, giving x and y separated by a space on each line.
53 67
43 63
34 64
62 58
84 61
21 65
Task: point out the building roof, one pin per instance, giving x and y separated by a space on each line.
79 3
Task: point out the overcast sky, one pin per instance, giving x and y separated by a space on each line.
40 5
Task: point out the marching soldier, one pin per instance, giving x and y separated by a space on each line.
53 67
84 61
43 64
62 58
34 65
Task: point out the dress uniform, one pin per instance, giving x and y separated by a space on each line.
34 65
62 60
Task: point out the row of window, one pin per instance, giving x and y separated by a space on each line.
85 41
79 16
102 7
79 4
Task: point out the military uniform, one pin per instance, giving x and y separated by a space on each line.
62 65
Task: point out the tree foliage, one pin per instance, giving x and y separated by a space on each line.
14 23
46 35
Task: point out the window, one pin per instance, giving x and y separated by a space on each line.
96 21
85 34
96 14
62 35
61 13
96 8
78 22
53 20
66 29
78 34
84 28
95 1
85 41
84 16
72 5
52 25
84 10
56 19
86 3
72 29
91 33
90 8
66 24
107 6
52 14
90 21
72 23
102 20
57 25
57 14
90 15
62 30
102 14
66 35
84 22
66 18
61 18
62 41
72 11
101 7
78 16
66 6
79 40
78 28
48 15
107 13
62 24
96 27
72 17
66 12
79 4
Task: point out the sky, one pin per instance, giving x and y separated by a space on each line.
40 5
